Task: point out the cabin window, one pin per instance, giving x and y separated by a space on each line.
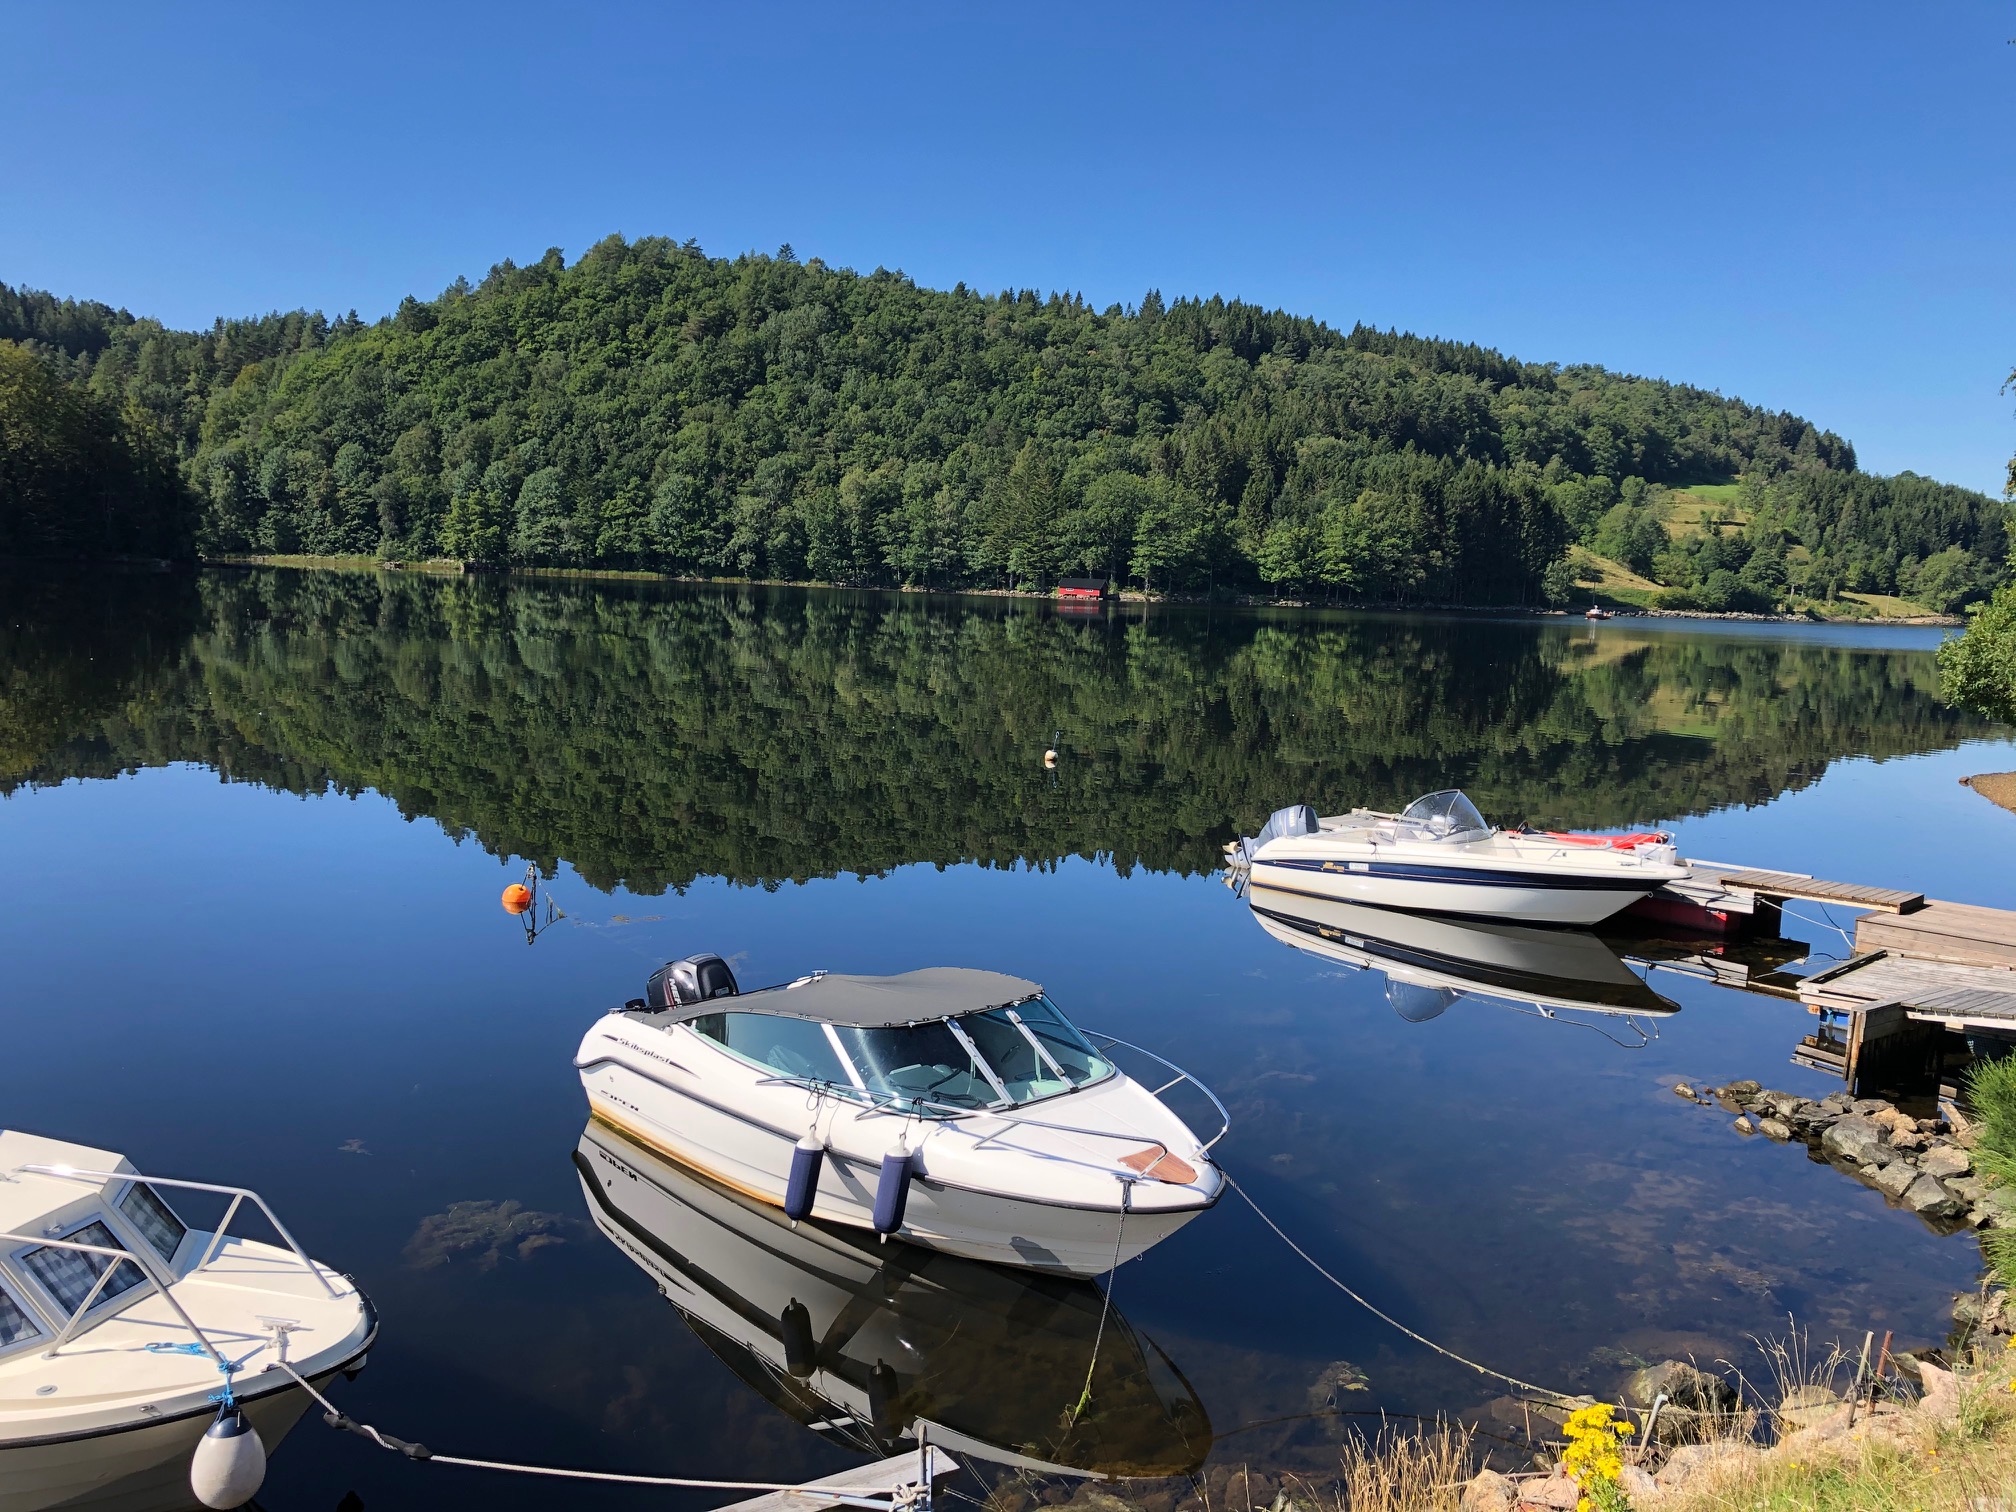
16 1323
790 1046
68 1275
921 1063
149 1214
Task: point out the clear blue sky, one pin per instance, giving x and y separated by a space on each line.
1811 206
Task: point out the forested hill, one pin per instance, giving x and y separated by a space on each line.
652 407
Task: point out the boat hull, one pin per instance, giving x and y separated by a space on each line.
138 1469
1063 1239
1531 897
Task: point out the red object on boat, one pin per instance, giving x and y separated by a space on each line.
1613 842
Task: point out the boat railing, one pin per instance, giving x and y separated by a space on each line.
873 1101
1225 1118
163 1283
239 1197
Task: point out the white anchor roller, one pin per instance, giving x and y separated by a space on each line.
229 1465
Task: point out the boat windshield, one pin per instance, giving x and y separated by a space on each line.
977 1060
1446 815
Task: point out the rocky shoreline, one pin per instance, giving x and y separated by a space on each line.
1923 1165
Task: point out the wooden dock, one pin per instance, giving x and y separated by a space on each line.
1921 968
1959 934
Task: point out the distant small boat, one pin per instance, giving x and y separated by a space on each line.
954 1108
1596 612
1439 856
116 1317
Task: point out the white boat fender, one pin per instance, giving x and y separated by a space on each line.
892 1190
801 1354
229 1465
802 1190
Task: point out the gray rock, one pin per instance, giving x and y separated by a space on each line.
1680 1089
1944 1160
1869 1107
1969 1189
1743 1125
1488 1491
1742 1089
1637 1486
1805 1406
1557 1494
1683 1386
1908 1139
1837 1102
1925 1195
1774 1128
1698 1461
1894 1180
1856 1141
1782 1105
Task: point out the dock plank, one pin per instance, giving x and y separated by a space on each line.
1959 933
1770 884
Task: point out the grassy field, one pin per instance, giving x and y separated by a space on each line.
1690 511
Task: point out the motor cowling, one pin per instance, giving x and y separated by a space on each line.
679 984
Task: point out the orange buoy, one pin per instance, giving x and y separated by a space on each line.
517 898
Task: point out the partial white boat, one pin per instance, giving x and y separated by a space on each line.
1430 961
957 1109
118 1318
875 1346
1439 856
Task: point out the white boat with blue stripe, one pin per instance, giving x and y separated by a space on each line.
1439 856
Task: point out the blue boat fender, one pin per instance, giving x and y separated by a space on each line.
892 1191
802 1190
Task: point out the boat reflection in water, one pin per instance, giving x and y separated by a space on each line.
864 1341
1430 961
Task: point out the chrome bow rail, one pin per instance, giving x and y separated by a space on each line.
238 1195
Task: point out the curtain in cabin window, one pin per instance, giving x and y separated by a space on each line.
149 1214
68 1275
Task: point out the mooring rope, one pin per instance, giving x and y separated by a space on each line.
1105 1307
1386 1317
335 1418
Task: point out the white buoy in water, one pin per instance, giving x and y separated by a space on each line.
229 1465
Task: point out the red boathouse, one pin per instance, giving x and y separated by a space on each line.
1082 588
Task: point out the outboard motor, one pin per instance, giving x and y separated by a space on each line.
679 984
1296 819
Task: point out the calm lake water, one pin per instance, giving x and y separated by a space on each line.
257 823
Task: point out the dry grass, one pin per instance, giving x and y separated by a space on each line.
1399 1471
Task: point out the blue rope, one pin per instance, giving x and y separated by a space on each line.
226 1397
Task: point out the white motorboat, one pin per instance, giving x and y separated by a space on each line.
875 1346
1439 856
1430 961
957 1109
120 1324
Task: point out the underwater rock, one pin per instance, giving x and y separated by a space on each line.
1683 1385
